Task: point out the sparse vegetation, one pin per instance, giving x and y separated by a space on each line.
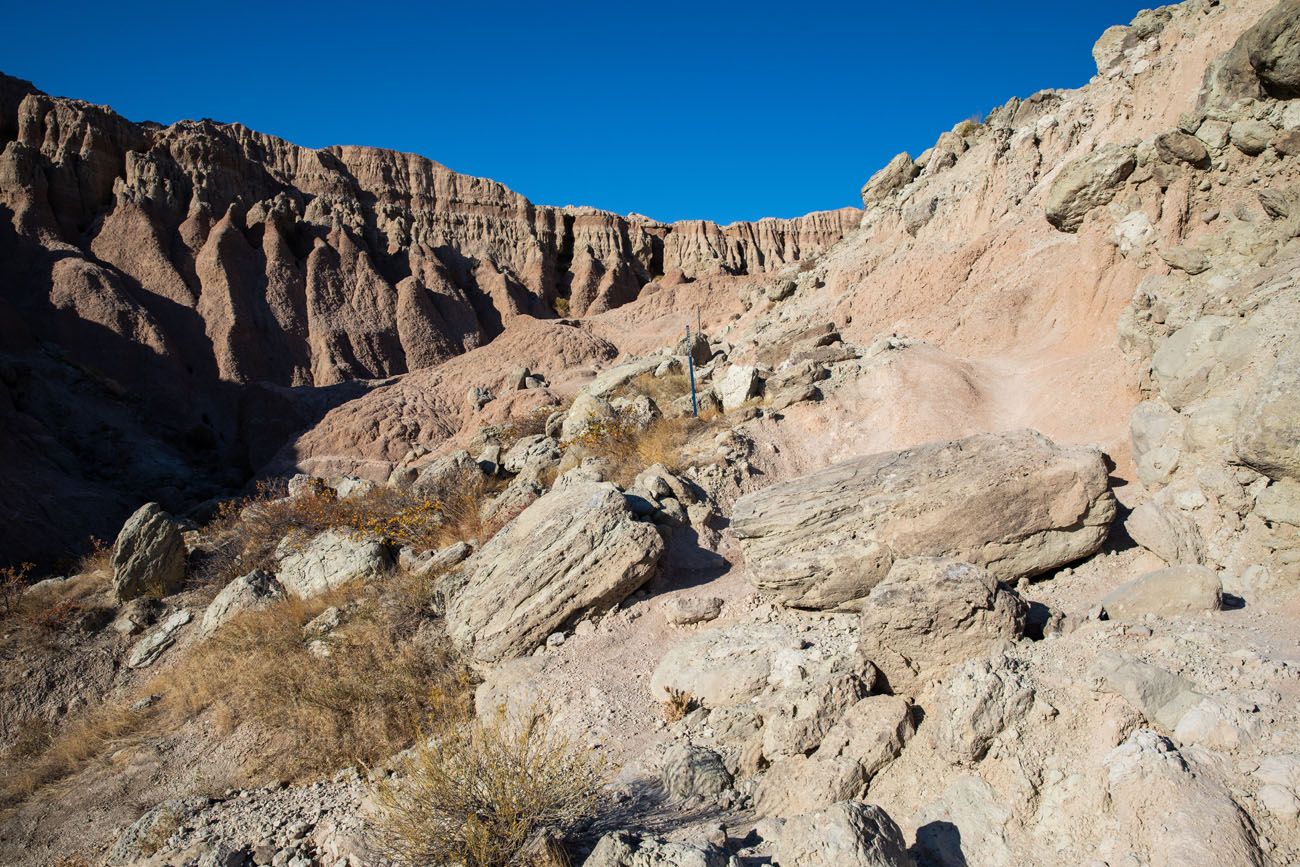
360 695
245 533
677 705
477 795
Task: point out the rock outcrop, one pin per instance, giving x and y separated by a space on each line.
1016 504
149 555
576 550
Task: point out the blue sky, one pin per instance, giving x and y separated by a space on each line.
672 109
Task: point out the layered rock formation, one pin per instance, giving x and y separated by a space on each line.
181 263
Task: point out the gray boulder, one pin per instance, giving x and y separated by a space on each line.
1016 504
1162 696
149 555
1087 182
722 666
691 771
1176 590
685 610
629 849
1274 50
1251 137
978 702
1268 431
737 385
930 613
245 593
575 550
1167 532
896 174
848 834
329 560
146 651
449 473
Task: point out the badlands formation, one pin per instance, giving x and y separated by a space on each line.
985 549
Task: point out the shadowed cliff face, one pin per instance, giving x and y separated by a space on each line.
159 272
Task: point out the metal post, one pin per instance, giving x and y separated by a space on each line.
690 363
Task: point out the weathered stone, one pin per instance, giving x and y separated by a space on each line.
685 610
628 849
1108 51
691 771
146 651
721 666
930 613
575 550
799 784
1178 146
1167 533
451 473
848 834
1176 590
587 410
795 720
1085 183
531 454
1279 503
149 555
1274 50
896 174
979 701
737 385
1200 825
245 593
1015 503
1161 696
964 826
1184 258
872 733
328 561
1268 432
1214 133
1250 137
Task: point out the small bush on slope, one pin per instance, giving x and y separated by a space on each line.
477 795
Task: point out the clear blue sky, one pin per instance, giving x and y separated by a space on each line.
672 109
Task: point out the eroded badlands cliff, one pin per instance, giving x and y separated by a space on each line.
984 548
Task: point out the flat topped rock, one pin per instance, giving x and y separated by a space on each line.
1015 503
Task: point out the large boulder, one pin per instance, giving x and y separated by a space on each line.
1199 824
1268 431
1015 503
329 560
1274 50
721 666
1087 182
1162 696
629 849
930 613
849 834
1176 590
448 474
574 550
149 555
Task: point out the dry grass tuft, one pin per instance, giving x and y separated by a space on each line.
385 676
245 533
677 705
479 795
628 449
85 738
